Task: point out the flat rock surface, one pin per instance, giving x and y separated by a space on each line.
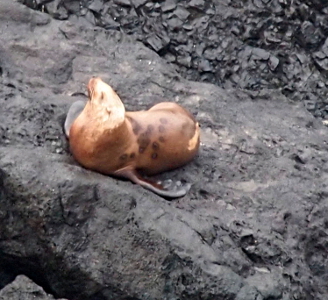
253 226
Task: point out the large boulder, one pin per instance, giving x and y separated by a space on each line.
253 226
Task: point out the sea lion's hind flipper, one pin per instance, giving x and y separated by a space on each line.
73 112
167 189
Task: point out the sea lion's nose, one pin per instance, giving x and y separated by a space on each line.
93 79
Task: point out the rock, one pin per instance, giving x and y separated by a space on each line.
323 64
260 54
169 5
273 62
285 29
253 226
200 4
123 2
174 23
158 43
310 105
181 13
309 36
109 23
96 6
72 6
184 61
23 288
56 10
138 3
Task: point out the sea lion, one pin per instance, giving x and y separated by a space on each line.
105 138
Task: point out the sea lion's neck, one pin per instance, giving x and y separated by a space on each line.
107 116
98 131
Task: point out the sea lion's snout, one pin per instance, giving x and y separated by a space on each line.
101 93
92 86
93 82
97 90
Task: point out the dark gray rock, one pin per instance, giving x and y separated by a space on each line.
273 63
138 3
182 13
200 4
157 42
253 226
56 10
96 6
72 6
169 5
279 30
123 2
309 36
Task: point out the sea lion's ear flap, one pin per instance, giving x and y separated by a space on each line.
108 110
74 111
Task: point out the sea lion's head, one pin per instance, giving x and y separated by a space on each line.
100 93
104 100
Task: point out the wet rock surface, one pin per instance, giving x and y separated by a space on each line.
254 225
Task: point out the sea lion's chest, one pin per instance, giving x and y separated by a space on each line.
94 145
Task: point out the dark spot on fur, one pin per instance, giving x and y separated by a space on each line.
155 146
143 142
161 139
132 155
136 127
163 120
148 132
82 129
143 139
144 136
150 128
123 157
184 126
161 128
154 156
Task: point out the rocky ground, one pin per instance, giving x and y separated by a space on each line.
23 288
250 44
254 225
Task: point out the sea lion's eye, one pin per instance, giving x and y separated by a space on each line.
91 92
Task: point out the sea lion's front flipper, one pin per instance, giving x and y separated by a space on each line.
166 189
73 112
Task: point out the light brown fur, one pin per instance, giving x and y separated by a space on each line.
111 141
